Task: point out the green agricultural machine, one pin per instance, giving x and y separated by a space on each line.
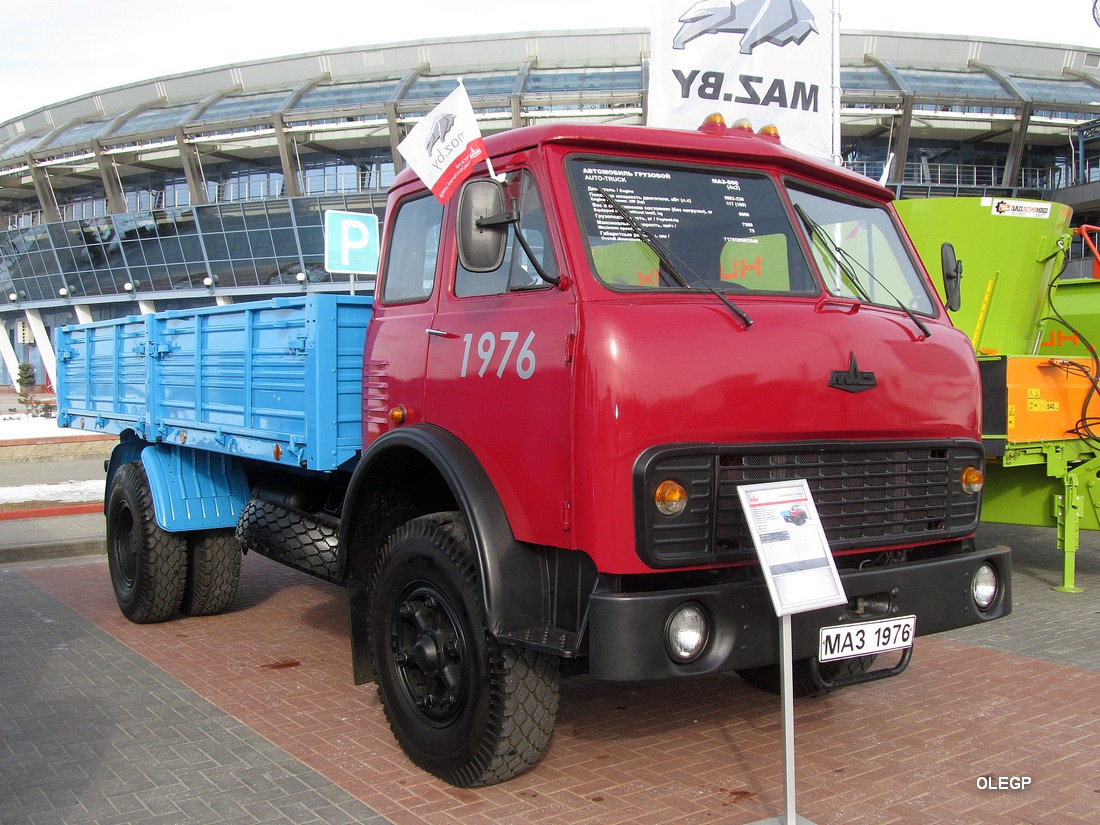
1032 331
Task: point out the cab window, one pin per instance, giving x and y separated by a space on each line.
517 273
413 250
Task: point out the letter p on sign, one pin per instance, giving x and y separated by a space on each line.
351 242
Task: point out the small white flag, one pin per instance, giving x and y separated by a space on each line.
444 147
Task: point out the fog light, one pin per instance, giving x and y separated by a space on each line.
686 633
972 480
670 498
984 586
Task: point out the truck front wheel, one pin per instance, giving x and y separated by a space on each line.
462 706
148 565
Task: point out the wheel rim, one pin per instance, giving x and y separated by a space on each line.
124 545
430 654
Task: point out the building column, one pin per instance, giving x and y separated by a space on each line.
192 169
516 98
396 134
43 344
1016 150
11 359
288 159
116 199
901 142
44 190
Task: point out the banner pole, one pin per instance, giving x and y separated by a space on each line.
838 158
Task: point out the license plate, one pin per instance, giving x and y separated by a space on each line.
863 639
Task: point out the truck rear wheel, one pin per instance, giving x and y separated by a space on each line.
213 572
461 705
148 565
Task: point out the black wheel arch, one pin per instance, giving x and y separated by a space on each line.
412 472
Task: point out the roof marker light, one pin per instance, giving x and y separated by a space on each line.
713 124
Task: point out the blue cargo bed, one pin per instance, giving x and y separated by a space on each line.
276 380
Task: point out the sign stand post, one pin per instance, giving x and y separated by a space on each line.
790 817
801 576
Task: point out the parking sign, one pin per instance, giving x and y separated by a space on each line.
351 242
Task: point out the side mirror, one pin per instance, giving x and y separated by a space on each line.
952 277
482 225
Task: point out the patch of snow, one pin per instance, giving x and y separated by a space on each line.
68 491
14 426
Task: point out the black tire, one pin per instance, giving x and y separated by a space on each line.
290 537
148 565
462 706
213 572
767 677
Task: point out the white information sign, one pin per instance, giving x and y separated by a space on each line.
792 547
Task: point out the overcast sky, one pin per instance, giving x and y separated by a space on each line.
52 50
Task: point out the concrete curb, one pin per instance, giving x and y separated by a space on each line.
53 550
56 449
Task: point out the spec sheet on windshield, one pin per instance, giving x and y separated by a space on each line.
729 229
791 545
659 204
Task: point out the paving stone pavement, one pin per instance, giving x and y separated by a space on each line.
92 732
1044 624
251 716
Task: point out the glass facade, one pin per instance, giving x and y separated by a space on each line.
234 245
249 234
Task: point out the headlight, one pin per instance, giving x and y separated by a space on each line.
972 480
686 633
984 586
670 498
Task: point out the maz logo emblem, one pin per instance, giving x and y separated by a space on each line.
851 379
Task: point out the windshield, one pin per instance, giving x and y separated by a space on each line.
860 253
729 229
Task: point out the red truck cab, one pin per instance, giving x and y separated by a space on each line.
569 373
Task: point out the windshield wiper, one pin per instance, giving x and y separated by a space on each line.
665 257
845 261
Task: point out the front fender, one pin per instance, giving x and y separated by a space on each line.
421 469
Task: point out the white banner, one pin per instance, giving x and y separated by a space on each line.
445 146
771 61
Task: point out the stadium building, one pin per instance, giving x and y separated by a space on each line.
211 186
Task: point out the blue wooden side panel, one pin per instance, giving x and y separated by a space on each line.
275 380
103 375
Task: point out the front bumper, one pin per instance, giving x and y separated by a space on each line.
627 630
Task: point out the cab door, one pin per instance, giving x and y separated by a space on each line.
500 367
397 342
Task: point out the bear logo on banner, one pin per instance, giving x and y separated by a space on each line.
778 22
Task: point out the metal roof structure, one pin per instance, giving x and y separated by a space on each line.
210 184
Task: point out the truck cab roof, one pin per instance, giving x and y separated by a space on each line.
717 142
